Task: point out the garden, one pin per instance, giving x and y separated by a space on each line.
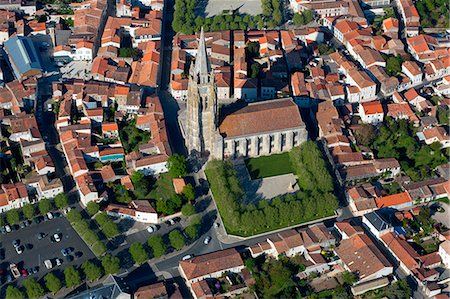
396 139
314 200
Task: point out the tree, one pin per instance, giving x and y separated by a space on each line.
176 239
122 195
33 288
61 200
189 192
28 211
13 293
188 210
111 264
256 69
253 49
13 216
365 134
138 253
394 65
298 19
74 216
170 205
91 271
192 231
443 116
177 166
72 276
156 243
45 206
52 282
92 208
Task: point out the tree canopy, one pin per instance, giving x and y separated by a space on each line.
28 211
61 200
72 276
33 288
45 206
13 216
13 293
111 264
157 245
314 200
91 271
176 239
177 166
395 139
138 253
52 282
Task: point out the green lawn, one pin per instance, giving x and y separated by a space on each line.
268 166
163 187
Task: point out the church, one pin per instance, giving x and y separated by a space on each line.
257 129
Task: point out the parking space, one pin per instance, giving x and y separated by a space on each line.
36 251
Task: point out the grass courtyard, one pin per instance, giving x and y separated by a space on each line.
163 187
267 166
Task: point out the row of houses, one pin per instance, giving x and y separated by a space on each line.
80 137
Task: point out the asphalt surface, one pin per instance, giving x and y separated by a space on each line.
37 251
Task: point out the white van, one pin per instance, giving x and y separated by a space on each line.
48 264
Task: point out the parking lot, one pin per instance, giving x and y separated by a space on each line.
37 251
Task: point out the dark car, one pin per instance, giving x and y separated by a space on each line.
24 272
16 243
69 258
37 220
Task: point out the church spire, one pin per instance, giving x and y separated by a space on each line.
202 68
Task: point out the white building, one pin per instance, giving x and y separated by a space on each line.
371 112
444 252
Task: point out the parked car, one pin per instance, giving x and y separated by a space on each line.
57 238
69 258
22 225
216 224
207 240
3 230
49 215
24 272
187 257
19 249
14 271
8 228
64 252
16 243
58 262
48 264
152 228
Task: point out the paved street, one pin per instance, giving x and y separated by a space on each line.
36 251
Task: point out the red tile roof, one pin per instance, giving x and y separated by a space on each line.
393 200
262 117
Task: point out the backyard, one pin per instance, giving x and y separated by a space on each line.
273 165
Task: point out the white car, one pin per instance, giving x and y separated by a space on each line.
48 264
187 257
58 262
19 249
207 240
57 238
152 228
8 228
50 215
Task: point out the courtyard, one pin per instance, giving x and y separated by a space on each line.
209 8
268 166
